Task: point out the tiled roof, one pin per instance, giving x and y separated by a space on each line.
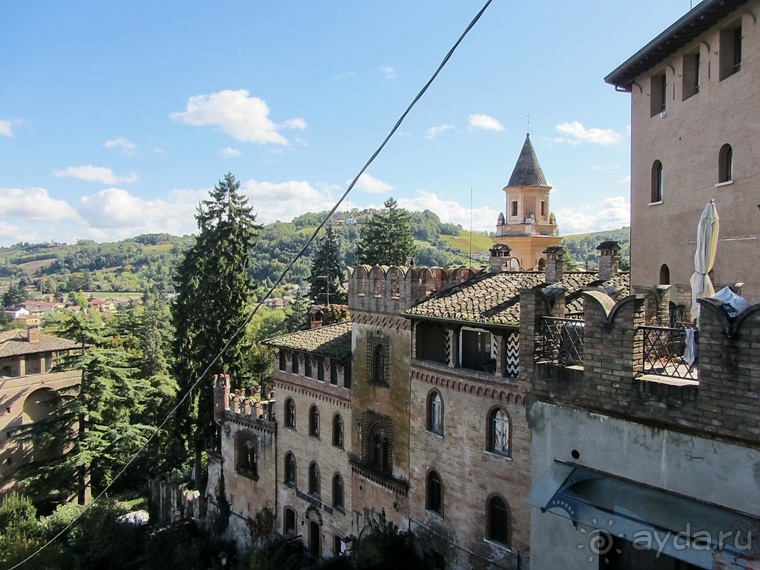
527 171
15 343
331 340
494 298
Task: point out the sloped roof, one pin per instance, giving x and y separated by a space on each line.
332 340
15 343
527 171
703 16
494 298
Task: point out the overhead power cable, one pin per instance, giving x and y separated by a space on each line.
242 327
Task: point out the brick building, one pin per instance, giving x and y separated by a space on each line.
26 384
695 127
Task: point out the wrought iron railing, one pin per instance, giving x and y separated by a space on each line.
664 352
562 340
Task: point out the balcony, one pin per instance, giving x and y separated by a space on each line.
562 341
664 352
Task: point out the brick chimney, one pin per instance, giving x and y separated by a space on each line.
316 318
555 266
33 330
608 259
500 256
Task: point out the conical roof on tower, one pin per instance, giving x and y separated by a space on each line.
527 171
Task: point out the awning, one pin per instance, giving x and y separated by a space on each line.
651 519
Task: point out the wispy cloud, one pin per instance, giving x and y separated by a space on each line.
6 129
371 185
389 72
575 133
229 152
239 115
449 211
612 213
297 124
346 75
92 173
433 132
126 145
481 121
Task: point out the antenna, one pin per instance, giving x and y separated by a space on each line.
528 117
471 226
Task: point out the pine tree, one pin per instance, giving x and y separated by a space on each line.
387 238
214 288
327 276
297 317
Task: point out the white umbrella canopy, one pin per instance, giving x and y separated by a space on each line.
707 243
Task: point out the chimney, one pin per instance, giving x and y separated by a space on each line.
608 259
555 265
221 384
33 330
316 319
499 257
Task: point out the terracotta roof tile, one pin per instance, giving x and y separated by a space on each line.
494 298
15 343
331 340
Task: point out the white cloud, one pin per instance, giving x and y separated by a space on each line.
576 133
625 179
433 132
92 173
346 75
11 233
241 116
285 200
449 211
481 121
6 129
34 204
126 145
296 124
371 185
229 152
159 150
612 213
389 72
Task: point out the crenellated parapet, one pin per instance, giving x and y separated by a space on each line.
238 404
619 360
392 289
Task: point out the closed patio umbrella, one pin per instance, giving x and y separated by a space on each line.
707 242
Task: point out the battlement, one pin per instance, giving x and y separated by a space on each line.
620 360
238 403
384 289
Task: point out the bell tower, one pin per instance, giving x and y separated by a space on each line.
527 226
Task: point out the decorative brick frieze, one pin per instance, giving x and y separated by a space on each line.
342 401
506 390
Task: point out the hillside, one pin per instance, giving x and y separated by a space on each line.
582 247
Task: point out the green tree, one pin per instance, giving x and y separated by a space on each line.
297 318
327 275
14 296
92 427
213 287
387 238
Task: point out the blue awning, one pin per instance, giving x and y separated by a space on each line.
650 518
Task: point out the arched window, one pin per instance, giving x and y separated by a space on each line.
378 453
498 428
726 164
337 492
657 181
314 421
289 526
290 469
435 413
664 275
247 455
314 479
290 413
337 431
434 500
497 520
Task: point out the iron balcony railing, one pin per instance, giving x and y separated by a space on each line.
563 340
664 350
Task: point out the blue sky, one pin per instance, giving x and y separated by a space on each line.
117 117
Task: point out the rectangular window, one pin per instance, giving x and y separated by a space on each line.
283 361
347 376
294 364
333 372
321 369
476 350
307 366
657 92
514 208
543 208
730 50
691 75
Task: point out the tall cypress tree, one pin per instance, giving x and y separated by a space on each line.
214 288
327 276
387 238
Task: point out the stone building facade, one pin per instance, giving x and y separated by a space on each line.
695 127
26 384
